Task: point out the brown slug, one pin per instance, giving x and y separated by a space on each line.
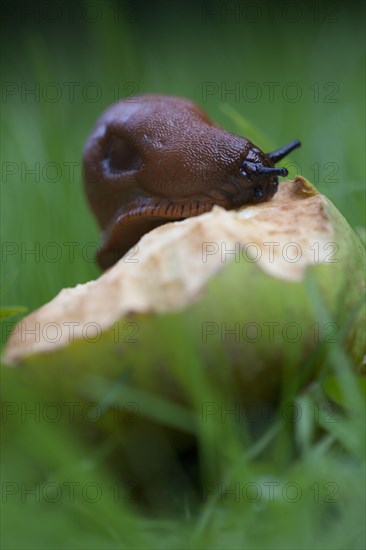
155 159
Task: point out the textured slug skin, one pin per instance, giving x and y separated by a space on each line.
153 159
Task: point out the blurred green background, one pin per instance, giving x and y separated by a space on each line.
272 71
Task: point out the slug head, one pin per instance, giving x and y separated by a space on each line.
154 159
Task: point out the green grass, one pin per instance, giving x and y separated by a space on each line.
168 48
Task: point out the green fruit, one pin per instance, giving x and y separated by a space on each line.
227 307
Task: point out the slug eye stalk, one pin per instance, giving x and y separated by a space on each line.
279 154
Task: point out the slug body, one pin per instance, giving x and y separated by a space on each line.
155 159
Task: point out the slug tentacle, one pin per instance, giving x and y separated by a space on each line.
159 158
279 154
256 171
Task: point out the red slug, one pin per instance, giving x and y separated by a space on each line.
155 159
